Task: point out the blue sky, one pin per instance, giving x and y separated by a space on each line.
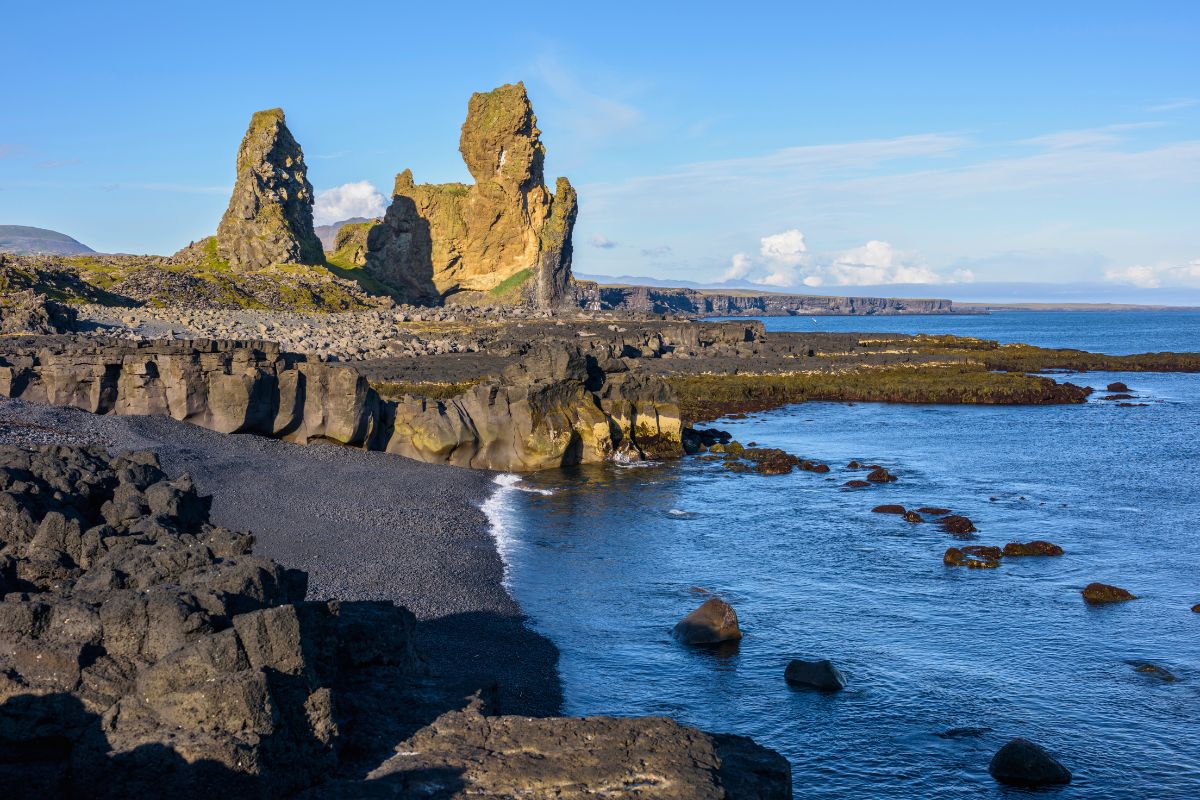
823 147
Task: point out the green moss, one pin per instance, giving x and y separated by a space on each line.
704 397
511 285
433 390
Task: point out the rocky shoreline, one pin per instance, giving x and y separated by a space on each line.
408 711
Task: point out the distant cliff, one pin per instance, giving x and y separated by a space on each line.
702 303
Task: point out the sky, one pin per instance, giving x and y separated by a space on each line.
946 149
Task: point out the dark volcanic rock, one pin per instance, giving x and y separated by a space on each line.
1117 397
1023 763
713 622
269 219
467 755
856 484
888 509
912 516
1154 671
933 510
1037 547
959 557
880 475
1104 593
957 524
822 675
1117 386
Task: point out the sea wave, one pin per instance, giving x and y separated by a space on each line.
501 513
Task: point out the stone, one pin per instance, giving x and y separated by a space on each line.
888 509
957 524
933 511
958 557
1037 547
821 675
1154 671
912 516
28 312
504 239
269 219
1117 386
1105 593
1196 608
1023 763
984 551
856 484
880 475
713 622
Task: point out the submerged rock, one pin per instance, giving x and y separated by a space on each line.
822 675
269 219
1037 547
856 484
912 516
1105 593
933 511
1023 763
957 524
888 509
1155 671
880 475
713 622
958 557
984 551
1117 386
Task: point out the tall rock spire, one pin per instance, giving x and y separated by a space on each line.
503 239
269 219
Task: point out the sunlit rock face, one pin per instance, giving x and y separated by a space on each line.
504 239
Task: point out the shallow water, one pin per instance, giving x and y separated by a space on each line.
614 556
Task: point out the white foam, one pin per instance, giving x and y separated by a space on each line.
498 509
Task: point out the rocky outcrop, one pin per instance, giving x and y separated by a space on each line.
1099 593
30 312
1024 763
713 622
555 406
269 219
821 675
145 652
505 238
466 755
708 303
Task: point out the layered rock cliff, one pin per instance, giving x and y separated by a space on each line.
704 303
555 406
504 238
269 220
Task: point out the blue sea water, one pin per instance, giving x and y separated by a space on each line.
609 558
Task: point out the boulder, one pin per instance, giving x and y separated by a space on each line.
856 484
958 557
957 524
713 622
28 312
1154 671
505 238
1196 608
822 675
984 551
1023 763
880 475
1117 386
1104 593
913 516
888 509
269 220
1037 547
933 511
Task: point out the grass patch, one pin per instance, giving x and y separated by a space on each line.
511 284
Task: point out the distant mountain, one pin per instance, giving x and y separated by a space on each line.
328 233
25 241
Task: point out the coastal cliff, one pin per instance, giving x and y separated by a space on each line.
555 407
696 302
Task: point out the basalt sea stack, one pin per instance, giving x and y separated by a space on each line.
269 219
505 238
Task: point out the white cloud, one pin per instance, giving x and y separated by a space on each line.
602 241
1152 277
359 199
877 263
785 249
1175 105
739 267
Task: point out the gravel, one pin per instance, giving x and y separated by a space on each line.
364 525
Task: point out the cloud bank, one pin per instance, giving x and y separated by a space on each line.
359 199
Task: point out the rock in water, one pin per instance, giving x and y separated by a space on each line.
1038 547
1104 593
1117 386
504 239
269 219
713 622
821 675
1023 763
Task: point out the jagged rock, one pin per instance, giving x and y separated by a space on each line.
713 622
30 312
269 219
505 238
821 675
958 557
1105 593
1023 763
957 524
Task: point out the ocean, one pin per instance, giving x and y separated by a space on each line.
943 665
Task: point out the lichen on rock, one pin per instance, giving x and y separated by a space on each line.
269 219
453 240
